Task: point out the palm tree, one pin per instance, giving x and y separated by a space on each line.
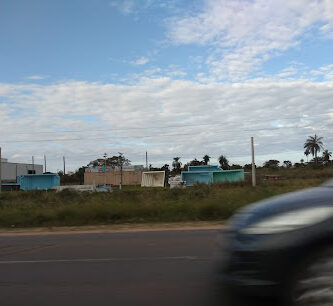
326 156
206 159
224 163
314 144
307 153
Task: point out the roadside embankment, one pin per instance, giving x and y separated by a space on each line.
113 228
214 202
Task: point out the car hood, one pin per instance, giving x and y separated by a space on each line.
318 196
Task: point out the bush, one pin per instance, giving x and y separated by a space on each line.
200 202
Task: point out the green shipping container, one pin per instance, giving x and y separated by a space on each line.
228 176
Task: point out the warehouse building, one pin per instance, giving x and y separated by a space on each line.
10 171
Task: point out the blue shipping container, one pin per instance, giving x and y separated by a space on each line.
38 181
193 177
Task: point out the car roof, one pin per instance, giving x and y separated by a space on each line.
301 199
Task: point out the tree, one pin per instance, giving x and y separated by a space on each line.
176 165
287 164
72 179
206 159
79 175
314 144
235 166
97 162
114 161
272 163
224 163
317 161
121 160
326 157
195 162
307 153
248 166
165 168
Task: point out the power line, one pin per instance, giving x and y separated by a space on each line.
164 127
148 136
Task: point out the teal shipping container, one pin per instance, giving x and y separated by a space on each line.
228 176
38 181
210 174
194 177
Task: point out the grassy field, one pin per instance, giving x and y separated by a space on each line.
298 173
139 205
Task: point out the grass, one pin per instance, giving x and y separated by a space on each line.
138 205
298 173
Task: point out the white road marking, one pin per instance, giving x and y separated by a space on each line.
10 262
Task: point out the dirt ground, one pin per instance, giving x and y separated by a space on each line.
139 227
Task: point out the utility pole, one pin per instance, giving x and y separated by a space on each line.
33 163
0 170
253 164
44 163
64 164
120 158
146 161
105 156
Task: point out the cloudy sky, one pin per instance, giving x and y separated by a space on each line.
174 77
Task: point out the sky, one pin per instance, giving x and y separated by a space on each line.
183 78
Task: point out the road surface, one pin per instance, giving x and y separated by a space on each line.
136 268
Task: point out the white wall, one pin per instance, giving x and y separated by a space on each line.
9 171
153 179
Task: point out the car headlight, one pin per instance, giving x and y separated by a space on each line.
290 221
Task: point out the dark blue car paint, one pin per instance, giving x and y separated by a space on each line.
264 264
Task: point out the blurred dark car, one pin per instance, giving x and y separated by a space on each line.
282 247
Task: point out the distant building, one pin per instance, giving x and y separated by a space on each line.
102 169
130 175
10 171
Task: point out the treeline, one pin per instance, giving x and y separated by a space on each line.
313 146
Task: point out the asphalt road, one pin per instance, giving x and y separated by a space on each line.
138 268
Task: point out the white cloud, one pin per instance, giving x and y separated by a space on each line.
288 72
141 61
168 117
36 77
325 71
243 34
177 73
126 7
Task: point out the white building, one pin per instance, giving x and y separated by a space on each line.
10 171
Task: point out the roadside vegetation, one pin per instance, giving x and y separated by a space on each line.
134 204
139 205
